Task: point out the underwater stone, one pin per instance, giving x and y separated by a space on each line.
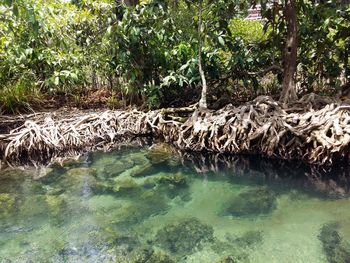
54 191
253 202
178 179
151 203
184 236
7 204
125 186
154 200
161 152
114 167
33 206
174 185
336 250
56 204
138 158
82 171
125 242
11 180
146 255
79 179
150 183
144 170
227 259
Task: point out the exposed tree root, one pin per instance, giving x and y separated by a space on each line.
263 127
259 127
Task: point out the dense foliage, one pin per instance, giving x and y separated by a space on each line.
148 54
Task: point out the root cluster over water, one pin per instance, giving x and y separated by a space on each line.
262 126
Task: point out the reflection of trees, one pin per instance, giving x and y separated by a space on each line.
331 181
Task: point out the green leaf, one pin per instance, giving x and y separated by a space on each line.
74 76
221 41
57 81
8 2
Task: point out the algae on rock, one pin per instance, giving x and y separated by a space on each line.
56 204
251 203
146 255
184 236
335 248
7 204
162 152
125 186
177 179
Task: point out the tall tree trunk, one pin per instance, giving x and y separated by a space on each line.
289 93
203 100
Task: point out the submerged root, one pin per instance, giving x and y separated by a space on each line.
261 126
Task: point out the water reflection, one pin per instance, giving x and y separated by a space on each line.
330 181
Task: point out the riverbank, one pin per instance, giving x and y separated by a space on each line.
318 134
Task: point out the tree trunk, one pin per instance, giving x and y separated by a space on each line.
203 100
289 93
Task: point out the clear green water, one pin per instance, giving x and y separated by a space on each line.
122 207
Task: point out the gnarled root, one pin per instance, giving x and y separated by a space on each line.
260 127
263 127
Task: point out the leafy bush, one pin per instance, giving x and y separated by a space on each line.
19 97
248 30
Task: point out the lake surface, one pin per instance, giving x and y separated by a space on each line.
140 205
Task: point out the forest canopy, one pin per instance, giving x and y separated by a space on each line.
147 53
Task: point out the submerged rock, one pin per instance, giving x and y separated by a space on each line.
249 239
7 204
56 204
79 180
227 259
161 152
12 180
150 183
112 166
125 243
254 202
336 250
149 203
174 185
145 169
125 186
138 158
32 206
177 179
184 236
81 171
146 255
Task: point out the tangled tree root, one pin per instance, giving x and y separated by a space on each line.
260 127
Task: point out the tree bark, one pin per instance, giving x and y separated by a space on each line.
203 100
289 93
